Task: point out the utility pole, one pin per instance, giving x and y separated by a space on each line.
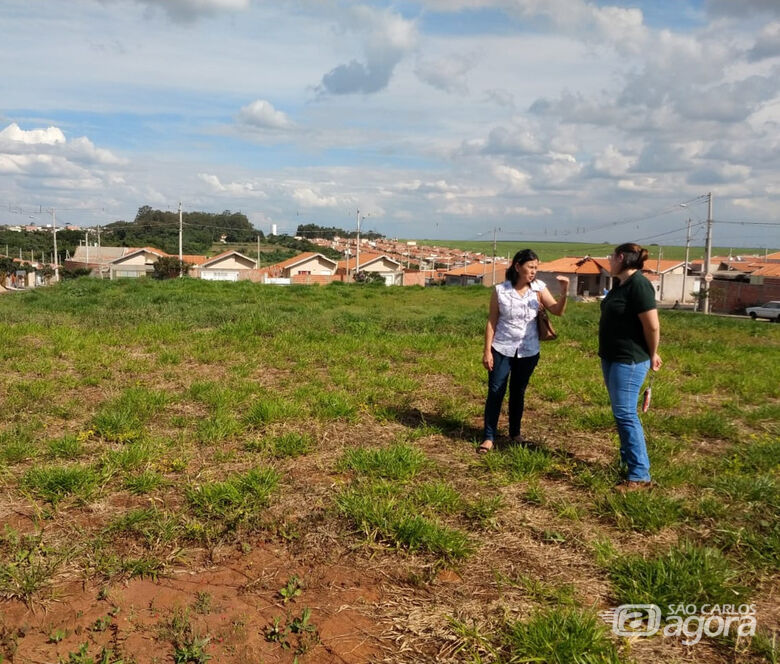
357 250
54 233
707 256
685 266
100 253
181 253
86 244
494 257
658 272
258 251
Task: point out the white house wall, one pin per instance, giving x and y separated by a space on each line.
231 263
314 265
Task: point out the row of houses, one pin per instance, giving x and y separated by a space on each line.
309 267
738 281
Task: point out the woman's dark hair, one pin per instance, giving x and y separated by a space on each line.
634 256
522 256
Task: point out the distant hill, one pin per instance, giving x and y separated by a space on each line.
160 229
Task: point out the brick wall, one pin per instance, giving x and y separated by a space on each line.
728 297
415 278
315 278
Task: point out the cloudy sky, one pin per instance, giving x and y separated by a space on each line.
546 119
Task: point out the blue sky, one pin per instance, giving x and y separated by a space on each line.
546 119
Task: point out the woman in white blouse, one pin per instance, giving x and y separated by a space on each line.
512 341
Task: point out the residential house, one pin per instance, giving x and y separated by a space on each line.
227 266
588 277
486 274
308 264
389 269
96 259
136 263
669 279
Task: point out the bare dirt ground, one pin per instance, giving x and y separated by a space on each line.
367 602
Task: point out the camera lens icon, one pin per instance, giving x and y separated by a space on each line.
636 620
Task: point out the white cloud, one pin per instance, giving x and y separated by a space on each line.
261 114
12 135
612 162
246 189
519 182
518 140
309 198
522 211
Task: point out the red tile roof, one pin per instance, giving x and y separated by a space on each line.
767 270
665 265
574 265
475 269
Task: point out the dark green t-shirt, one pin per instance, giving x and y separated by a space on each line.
621 338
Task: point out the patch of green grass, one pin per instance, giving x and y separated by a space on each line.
519 462
291 444
17 444
397 462
334 406
27 564
143 483
189 647
131 456
148 525
380 514
535 494
119 424
146 566
219 426
710 424
482 510
271 409
67 447
238 499
54 483
561 636
643 511
687 574
437 496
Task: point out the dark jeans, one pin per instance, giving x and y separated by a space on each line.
518 370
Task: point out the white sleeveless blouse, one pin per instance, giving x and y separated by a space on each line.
516 331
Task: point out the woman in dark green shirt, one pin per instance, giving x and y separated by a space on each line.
629 334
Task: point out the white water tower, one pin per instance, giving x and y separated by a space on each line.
273 229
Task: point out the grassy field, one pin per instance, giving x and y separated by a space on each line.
197 471
549 251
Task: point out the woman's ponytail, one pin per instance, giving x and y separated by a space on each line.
634 256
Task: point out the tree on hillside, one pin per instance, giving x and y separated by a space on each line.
160 229
310 231
40 242
303 245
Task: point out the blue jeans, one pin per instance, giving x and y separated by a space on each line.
520 369
623 383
